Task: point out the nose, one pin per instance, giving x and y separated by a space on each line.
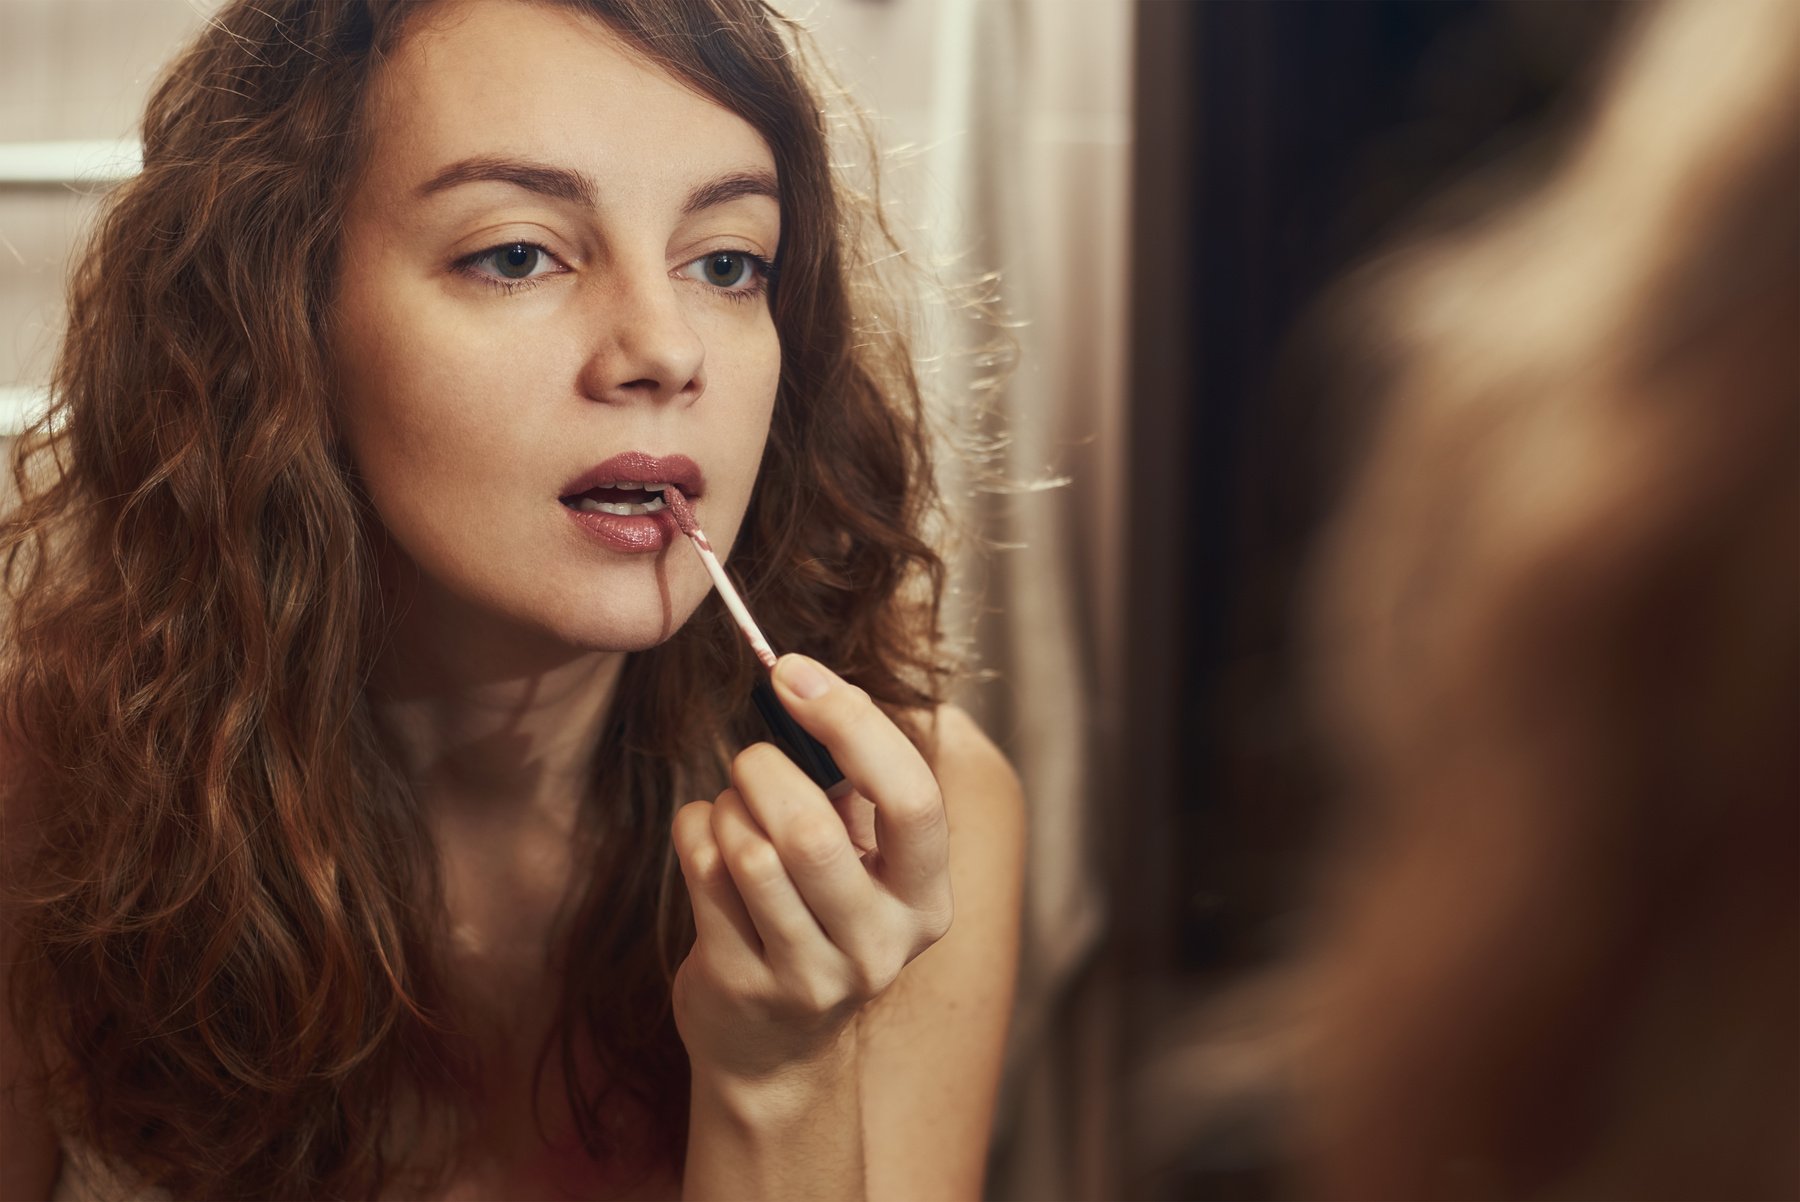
644 348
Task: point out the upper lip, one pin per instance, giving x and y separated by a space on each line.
636 466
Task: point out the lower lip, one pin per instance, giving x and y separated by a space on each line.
632 535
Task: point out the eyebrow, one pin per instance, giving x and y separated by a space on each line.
558 183
561 183
731 187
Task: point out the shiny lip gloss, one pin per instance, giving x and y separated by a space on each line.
632 533
789 735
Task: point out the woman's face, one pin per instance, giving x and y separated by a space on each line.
553 259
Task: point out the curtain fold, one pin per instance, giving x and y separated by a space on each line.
1011 123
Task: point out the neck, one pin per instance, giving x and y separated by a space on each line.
488 720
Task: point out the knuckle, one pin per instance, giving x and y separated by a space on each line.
706 865
921 808
707 966
751 990
817 994
936 922
710 969
692 822
754 991
745 763
876 962
727 805
757 862
726 834
871 978
817 844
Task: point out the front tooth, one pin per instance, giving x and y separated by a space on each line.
629 485
655 487
620 510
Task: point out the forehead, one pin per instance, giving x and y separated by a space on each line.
479 77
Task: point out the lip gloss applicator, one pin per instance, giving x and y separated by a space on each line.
788 734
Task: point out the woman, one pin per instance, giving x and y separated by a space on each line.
344 743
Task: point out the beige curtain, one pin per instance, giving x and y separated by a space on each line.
1008 126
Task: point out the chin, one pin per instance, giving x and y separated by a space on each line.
621 627
621 637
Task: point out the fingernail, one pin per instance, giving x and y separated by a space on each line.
802 677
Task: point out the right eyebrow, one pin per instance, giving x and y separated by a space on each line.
558 183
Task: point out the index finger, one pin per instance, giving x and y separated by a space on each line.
911 833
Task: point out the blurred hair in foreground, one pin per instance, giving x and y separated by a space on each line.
1558 633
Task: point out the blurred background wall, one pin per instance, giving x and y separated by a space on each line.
73 78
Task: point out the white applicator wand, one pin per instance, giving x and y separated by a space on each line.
789 735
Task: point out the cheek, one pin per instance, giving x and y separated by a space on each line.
746 383
747 375
377 368
426 408
414 397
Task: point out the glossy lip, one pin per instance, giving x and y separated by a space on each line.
678 470
644 532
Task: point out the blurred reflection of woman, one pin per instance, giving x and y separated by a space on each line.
1563 614
346 736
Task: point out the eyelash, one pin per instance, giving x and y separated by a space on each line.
467 264
765 271
765 275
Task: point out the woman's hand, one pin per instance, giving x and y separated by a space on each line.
801 923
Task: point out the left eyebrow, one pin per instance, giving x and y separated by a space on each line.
732 187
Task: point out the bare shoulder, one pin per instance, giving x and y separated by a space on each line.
933 1045
974 774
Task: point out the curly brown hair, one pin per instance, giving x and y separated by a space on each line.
229 912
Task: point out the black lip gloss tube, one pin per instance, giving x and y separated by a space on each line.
801 747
